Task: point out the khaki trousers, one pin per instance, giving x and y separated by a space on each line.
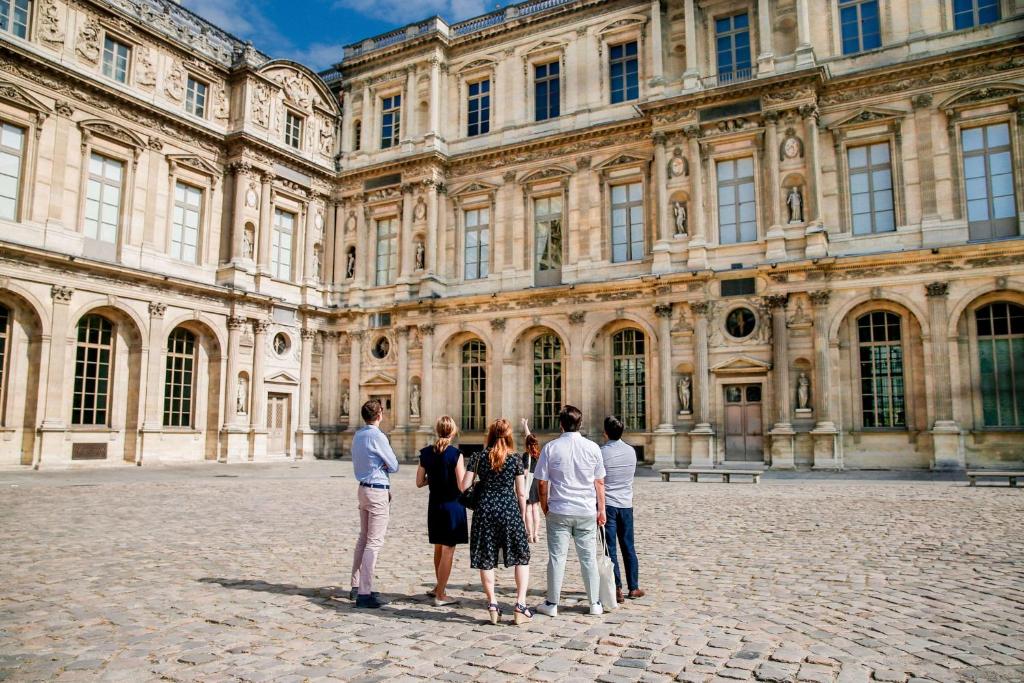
374 511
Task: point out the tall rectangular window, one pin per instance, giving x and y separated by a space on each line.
627 222
629 379
871 200
479 108
357 135
477 249
390 120
14 16
737 207
970 13
860 25
188 202
115 60
547 216
195 97
988 178
103 198
624 72
474 386
883 404
547 91
732 45
387 251
1000 328
281 244
293 130
12 149
179 378
94 352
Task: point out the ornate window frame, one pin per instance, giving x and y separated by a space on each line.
547 370
544 52
543 184
623 30
720 9
835 29
123 39
973 382
115 142
467 198
621 169
627 325
178 363
730 146
475 71
1006 9
201 174
21 109
191 77
379 93
483 368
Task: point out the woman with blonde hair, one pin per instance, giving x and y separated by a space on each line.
499 529
442 469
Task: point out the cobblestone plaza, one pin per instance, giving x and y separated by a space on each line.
238 573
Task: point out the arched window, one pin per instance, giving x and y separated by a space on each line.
882 390
547 381
1001 361
179 387
5 323
94 354
629 379
474 386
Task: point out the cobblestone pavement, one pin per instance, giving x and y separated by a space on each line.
228 573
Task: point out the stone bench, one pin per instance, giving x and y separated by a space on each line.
974 475
695 472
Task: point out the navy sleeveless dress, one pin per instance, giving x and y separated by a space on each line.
446 517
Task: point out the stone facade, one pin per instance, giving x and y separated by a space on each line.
209 254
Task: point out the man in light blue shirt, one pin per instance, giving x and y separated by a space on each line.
372 460
620 467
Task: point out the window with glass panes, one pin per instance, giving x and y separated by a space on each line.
970 13
479 108
103 198
547 215
94 352
477 246
871 198
5 322
387 251
860 26
293 130
179 378
547 382
14 17
629 379
624 72
883 404
547 89
390 120
732 46
627 222
281 240
195 97
474 386
988 179
115 59
188 203
12 149
357 136
737 206
1001 363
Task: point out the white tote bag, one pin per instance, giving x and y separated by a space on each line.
607 573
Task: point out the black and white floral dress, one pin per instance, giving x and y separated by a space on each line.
498 528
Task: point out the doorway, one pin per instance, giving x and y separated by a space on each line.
279 418
744 426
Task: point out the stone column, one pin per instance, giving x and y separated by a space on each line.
697 247
702 436
408 123
435 97
657 51
366 123
664 437
804 51
258 400
235 445
662 257
427 379
240 172
330 383
266 217
817 237
576 376
309 276
948 450
691 77
775 248
405 251
402 381
495 371
766 57
153 421
58 337
824 433
430 243
782 445
304 438
355 399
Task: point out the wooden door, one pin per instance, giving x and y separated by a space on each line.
279 418
744 429
386 421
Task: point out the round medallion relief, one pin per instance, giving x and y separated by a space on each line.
251 198
318 222
281 343
381 348
740 322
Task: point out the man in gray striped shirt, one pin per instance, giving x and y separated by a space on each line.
620 467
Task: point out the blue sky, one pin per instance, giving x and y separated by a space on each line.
313 32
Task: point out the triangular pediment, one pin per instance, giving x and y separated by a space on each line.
475 187
195 163
380 380
15 94
282 378
621 160
868 115
545 174
739 365
112 131
477 64
546 46
992 92
631 21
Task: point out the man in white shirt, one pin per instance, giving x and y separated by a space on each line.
570 473
620 467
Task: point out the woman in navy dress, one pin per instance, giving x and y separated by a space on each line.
442 469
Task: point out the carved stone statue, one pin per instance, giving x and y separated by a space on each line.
683 388
795 202
344 404
246 244
314 404
420 255
316 265
414 401
350 267
88 43
174 82
803 391
679 212
242 396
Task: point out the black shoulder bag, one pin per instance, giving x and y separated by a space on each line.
470 498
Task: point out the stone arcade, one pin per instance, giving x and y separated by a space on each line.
756 233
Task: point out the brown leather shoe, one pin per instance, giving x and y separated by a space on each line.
638 593
619 597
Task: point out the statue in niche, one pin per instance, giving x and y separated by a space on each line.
795 202
314 404
679 212
803 391
246 244
350 267
316 265
683 388
421 254
344 404
280 344
242 396
414 401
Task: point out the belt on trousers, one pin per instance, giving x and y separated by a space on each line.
375 486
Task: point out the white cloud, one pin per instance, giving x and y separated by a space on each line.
317 55
388 10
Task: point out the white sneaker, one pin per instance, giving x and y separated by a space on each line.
547 609
596 610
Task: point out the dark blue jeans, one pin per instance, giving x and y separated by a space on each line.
620 526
